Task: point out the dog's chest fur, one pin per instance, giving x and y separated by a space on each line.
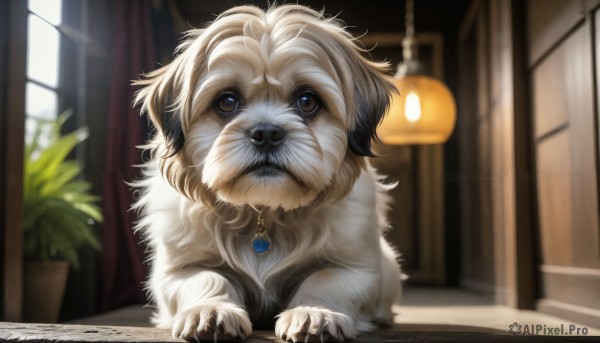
268 281
186 234
264 301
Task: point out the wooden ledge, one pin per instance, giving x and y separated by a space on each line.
46 333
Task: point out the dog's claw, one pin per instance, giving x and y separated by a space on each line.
314 324
213 322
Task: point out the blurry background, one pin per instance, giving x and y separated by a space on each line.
506 209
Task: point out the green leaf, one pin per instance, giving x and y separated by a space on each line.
59 210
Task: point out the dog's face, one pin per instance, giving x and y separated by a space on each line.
269 109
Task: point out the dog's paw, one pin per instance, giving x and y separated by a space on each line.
314 324
212 322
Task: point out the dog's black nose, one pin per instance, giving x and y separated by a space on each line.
266 136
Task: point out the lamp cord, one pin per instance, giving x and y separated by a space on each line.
409 51
410 18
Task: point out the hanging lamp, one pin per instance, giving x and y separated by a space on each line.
424 111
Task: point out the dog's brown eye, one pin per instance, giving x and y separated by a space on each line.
227 104
308 104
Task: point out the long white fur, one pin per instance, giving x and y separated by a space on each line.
326 217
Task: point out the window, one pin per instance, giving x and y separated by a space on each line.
43 87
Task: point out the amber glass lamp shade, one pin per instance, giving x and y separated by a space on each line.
423 113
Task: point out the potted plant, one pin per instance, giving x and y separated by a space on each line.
59 212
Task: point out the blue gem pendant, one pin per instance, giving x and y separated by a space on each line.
261 242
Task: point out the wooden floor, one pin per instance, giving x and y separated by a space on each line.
421 309
425 315
47 333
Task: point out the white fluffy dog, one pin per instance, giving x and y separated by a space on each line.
259 205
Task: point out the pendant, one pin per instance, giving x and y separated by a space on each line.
261 243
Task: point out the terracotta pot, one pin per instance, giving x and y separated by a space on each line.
44 286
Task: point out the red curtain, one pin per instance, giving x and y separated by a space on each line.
123 269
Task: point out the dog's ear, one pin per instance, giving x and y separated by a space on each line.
157 101
367 86
372 96
165 98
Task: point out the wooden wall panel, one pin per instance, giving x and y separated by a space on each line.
564 109
547 91
550 20
493 261
576 286
569 96
555 199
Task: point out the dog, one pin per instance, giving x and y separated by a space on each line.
259 205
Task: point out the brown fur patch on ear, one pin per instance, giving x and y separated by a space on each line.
166 97
372 97
169 114
156 98
180 174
